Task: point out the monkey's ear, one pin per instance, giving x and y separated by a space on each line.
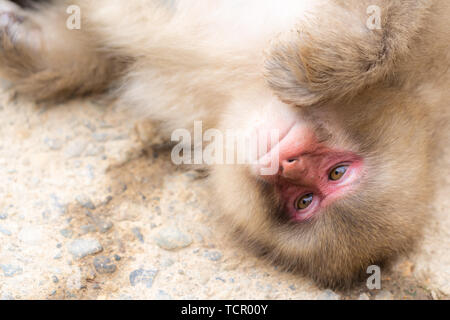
343 49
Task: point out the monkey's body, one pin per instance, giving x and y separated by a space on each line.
341 94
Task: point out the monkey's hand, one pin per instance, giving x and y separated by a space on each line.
343 49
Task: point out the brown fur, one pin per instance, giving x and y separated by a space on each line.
377 92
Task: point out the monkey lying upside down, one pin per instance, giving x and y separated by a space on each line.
355 106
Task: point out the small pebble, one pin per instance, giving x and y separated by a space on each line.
162 295
10 270
384 295
100 137
81 248
328 295
107 200
4 231
55 279
66 233
85 202
142 276
137 233
90 126
104 226
213 255
167 262
104 265
88 228
93 151
53 144
75 149
6 297
171 238
363 296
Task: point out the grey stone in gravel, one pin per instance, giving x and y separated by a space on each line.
107 200
117 257
213 255
90 126
88 228
104 226
75 149
10 270
93 151
363 296
55 279
66 233
6 297
328 295
100 137
104 265
121 137
167 262
162 295
85 202
384 295
81 248
61 207
90 172
142 276
171 238
137 233
4 231
53 144
3 215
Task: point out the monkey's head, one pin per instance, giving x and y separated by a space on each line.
350 188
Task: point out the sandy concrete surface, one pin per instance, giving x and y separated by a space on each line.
87 213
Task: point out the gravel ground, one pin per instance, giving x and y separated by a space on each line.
86 213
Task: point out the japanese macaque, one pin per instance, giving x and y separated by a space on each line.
354 89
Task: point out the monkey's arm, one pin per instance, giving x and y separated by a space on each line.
345 48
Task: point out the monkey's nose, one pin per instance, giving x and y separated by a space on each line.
292 168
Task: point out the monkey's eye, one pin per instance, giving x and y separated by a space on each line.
304 201
337 173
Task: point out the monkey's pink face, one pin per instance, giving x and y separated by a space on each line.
311 175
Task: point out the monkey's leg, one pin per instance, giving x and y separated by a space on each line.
46 60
